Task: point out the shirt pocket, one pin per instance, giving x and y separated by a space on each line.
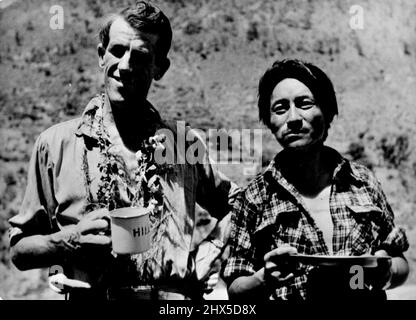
283 229
364 230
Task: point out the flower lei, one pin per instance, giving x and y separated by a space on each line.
142 185
144 189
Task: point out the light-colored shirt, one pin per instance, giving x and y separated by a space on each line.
318 208
63 181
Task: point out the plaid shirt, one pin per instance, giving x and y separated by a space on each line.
271 212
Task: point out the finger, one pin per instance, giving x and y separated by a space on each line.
95 240
288 277
213 270
282 250
276 274
208 290
211 285
214 277
273 278
212 282
381 253
94 226
270 266
98 214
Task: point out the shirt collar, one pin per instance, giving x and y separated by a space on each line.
90 118
93 113
343 173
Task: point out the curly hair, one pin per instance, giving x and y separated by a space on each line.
146 17
307 73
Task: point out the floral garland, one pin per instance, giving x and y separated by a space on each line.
145 190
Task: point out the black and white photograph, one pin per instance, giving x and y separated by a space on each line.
234 151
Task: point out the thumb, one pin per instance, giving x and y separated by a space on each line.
381 253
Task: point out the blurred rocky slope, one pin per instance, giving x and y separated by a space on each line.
220 49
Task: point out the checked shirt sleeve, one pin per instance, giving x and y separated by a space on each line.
244 255
392 238
242 252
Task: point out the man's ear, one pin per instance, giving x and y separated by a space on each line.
101 53
161 69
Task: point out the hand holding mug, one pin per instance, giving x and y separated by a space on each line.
89 232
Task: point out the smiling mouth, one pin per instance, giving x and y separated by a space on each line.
118 80
123 83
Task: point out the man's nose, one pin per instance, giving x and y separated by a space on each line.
125 64
293 112
294 121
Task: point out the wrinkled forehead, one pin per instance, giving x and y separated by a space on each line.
122 32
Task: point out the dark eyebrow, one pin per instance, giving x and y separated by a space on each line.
278 101
118 44
301 98
297 99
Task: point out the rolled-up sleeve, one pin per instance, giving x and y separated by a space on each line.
39 203
241 261
392 238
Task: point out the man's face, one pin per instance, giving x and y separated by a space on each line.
129 64
295 119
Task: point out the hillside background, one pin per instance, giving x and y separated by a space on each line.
220 49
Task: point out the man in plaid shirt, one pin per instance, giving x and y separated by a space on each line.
310 200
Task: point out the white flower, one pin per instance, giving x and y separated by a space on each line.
139 155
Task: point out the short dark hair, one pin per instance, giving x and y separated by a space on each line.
146 17
307 73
